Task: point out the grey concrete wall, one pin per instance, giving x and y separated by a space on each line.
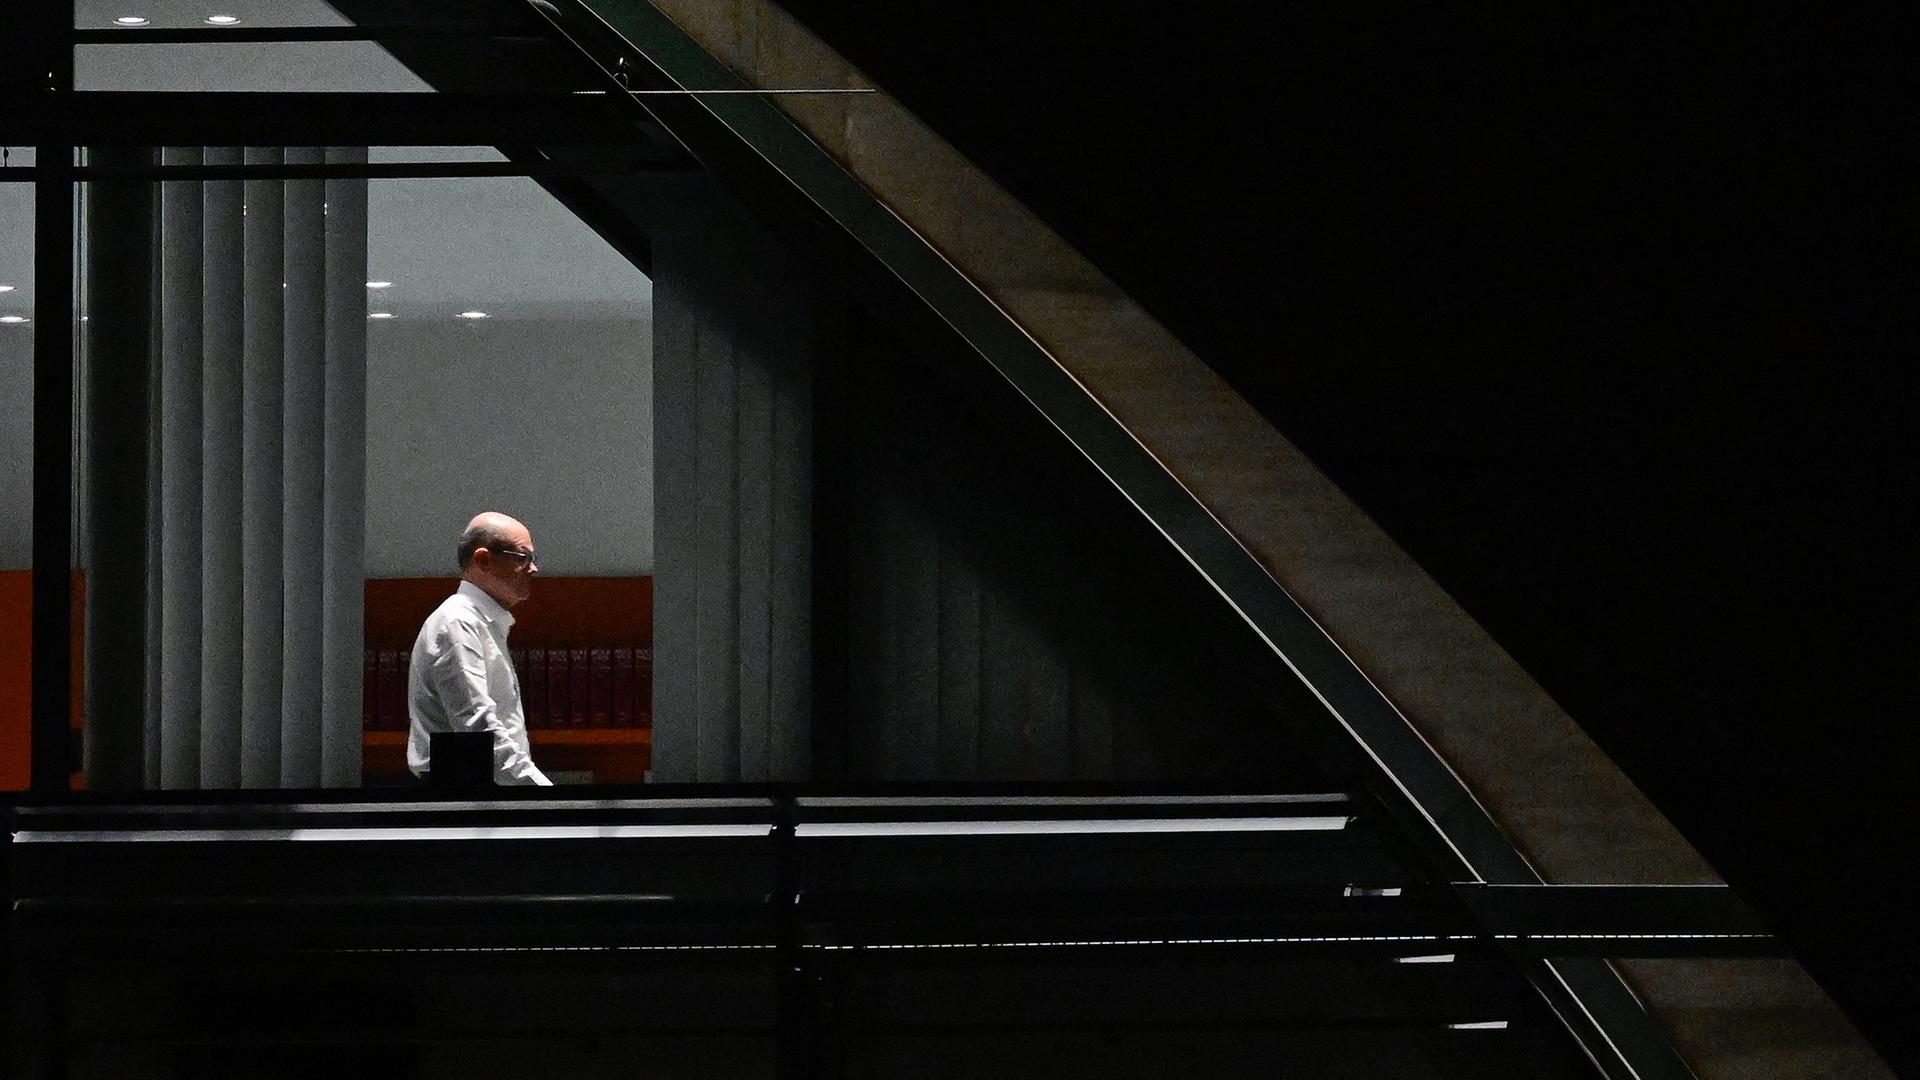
16 367
16 445
550 421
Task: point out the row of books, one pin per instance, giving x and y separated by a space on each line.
559 688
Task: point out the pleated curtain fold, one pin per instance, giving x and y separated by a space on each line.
259 477
733 506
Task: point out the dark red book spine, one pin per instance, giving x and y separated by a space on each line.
558 683
533 687
643 686
393 690
370 692
623 688
580 694
601 665
517 656
402 671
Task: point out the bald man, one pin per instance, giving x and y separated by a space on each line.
461 678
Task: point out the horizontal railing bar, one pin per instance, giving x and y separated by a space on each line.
430 806
372 834
319 903
1059 826
839 802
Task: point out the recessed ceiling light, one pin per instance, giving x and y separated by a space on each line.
223 20
6 288
473 314
379 284
379 314
131 20
12 318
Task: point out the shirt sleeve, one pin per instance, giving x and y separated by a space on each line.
458 677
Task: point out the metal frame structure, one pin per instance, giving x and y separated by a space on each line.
810 883
373 171
53 405
191 118
758 152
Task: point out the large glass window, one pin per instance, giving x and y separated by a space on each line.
786 528
298 387
509 368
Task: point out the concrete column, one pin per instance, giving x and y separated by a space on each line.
119 285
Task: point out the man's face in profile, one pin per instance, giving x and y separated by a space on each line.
510 566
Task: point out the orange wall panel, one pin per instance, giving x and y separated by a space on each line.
16 672
564 612
16 678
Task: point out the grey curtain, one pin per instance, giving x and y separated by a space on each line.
987 639
1004 620
732 517
259 476
979 626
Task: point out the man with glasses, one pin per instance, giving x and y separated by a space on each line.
462 678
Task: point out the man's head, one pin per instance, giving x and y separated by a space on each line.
496 554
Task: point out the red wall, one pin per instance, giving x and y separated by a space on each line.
16 672
562 612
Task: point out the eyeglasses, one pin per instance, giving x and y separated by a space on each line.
524 556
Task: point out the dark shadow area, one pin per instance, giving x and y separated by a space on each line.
1007 615
1594 313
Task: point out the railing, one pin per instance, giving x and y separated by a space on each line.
796 899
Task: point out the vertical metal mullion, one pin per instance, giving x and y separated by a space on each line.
53 417
794 1002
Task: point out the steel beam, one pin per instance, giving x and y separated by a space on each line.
160 118
373 171
53 312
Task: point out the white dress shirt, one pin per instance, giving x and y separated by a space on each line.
462 679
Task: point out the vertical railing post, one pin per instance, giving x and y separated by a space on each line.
793 992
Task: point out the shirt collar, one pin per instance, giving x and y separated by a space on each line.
488 607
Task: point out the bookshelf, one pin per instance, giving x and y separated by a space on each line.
564 615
